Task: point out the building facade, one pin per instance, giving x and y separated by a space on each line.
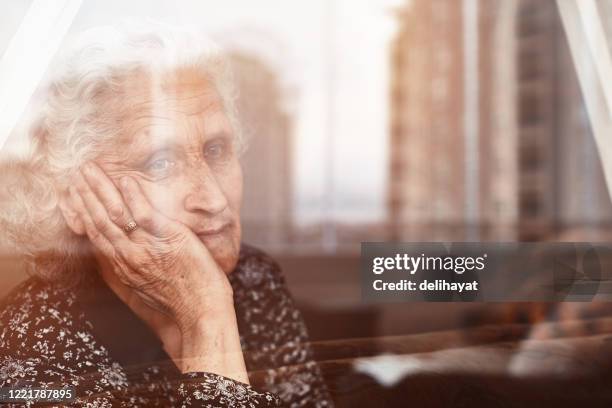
562 191
266 163
428 199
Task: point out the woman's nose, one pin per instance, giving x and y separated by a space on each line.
205 194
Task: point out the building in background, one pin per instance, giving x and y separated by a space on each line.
429 173
539 174
267 197
562 191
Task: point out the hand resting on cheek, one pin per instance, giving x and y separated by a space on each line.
162 261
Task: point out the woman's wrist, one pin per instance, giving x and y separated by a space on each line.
209 305
208 317
212 344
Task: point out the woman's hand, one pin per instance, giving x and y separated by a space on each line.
162 260
165 264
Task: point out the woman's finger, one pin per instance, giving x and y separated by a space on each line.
95 236
98 213
144 213
107 193
98 239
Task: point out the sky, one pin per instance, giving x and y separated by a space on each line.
332 60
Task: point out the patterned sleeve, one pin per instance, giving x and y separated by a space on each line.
189 390
204 389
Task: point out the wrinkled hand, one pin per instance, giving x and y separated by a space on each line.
162 260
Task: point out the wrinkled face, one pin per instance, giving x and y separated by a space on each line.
178 144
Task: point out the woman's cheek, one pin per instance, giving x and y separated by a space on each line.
166 197
231 184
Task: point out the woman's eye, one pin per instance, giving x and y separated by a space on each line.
215 151
160 165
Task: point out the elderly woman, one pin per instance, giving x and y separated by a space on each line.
128 213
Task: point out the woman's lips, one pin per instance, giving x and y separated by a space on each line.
213 232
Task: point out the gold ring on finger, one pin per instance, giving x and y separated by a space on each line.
130 226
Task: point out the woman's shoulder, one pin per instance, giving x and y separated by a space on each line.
45 336
35 291
34 309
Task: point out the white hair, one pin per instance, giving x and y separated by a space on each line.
74 121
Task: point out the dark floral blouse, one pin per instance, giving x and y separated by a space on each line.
90 340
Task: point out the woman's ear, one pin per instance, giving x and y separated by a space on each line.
71 215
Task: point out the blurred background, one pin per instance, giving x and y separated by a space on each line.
402 120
